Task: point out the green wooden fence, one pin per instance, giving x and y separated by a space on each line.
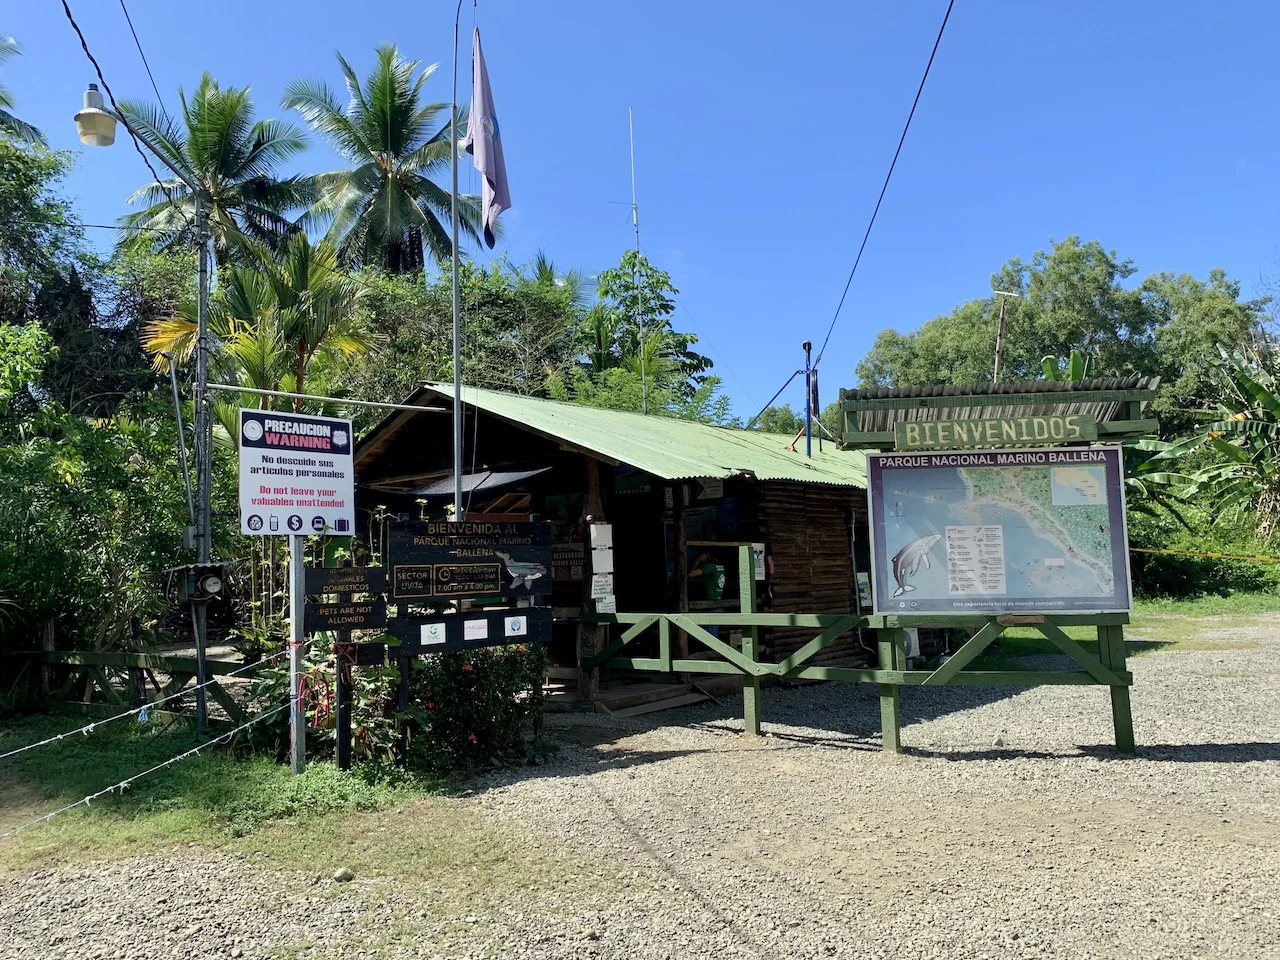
1107 668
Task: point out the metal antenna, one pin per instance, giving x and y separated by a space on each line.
635 220
1003 294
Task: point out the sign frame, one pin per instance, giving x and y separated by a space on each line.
507 559
1112 460
296 474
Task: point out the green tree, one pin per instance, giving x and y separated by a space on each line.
1075 297
233 159
619 389
9 124
782 420
384 210
39 236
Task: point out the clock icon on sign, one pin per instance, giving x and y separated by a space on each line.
253 429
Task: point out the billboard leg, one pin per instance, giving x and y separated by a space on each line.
890 643
297 601
1111 653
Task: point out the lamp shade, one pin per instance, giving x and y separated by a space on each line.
95 124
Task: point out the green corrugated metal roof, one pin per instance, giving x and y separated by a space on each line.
669 448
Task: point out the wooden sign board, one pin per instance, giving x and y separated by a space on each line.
360 615
1000 432
465 631
367 580
453 561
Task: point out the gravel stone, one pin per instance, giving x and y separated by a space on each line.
1011 829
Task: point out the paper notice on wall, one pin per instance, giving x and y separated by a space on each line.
975 560
602 561
606 605
757 560
601 535
601 585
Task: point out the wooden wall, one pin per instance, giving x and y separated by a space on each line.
807 528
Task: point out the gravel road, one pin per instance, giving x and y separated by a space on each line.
1011 830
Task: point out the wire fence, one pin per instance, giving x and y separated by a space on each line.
124 785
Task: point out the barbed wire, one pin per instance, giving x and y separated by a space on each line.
124 785
90 727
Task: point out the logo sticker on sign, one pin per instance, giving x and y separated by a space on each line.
433 633
475 630
517 627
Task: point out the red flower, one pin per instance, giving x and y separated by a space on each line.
473 738
467 667
519 648
430 705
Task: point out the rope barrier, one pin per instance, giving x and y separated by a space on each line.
90 727
1212 556
124 785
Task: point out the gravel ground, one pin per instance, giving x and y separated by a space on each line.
1012 829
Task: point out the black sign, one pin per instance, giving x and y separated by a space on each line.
472 559
361 615
465 631
371 580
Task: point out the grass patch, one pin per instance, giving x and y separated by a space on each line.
208 799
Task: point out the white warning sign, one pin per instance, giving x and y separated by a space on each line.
297 474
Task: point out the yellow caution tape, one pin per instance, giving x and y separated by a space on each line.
1214 556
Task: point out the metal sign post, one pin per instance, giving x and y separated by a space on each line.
297 606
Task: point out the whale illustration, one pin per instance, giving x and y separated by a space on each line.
908 560
517 570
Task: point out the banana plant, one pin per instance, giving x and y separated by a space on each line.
1078 366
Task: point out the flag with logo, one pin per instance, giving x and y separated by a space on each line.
484 143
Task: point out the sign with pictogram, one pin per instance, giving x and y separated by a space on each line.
297 474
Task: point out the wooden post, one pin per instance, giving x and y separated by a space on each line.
47 671
890 647
590 634
750 642
682 572
1111 653
402 704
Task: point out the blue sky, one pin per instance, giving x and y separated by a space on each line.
763 133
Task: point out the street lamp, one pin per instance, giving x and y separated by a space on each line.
95 124
97 128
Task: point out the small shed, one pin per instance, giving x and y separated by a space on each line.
681 496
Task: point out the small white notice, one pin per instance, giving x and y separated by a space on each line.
602 561
757 560
601 585
601 536
975 560
606 605
432 633
475 630
297 475
517 627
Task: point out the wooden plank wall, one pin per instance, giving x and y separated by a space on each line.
807 528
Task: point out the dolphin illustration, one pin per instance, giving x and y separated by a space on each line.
517 570
907 561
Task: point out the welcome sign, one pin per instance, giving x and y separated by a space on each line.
998 432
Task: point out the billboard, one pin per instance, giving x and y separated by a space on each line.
297 474
998 531
440 560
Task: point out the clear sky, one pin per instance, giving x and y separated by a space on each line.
763 132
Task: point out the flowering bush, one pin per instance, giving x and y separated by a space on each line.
474 708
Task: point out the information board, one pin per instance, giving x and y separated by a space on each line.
297 474
448 561
1030 531
464 631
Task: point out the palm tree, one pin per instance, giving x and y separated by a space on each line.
230 157
278 320
384 210
8 122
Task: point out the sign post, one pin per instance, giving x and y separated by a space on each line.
297 476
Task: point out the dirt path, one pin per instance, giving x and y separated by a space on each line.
1012 830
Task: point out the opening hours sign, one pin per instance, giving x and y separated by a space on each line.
297 474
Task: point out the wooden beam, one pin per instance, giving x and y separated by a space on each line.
1079 654
965 655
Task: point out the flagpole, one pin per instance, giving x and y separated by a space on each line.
457 312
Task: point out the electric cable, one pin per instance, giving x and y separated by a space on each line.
901 140
138 44
774 397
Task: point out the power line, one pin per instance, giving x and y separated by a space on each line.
887 178
84 45
125 784
88 728
138 44
774 397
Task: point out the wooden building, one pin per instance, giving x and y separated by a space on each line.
681 498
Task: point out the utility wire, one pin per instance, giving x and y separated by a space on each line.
887 178
90 727
138 44
775 397
84 45
124 785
